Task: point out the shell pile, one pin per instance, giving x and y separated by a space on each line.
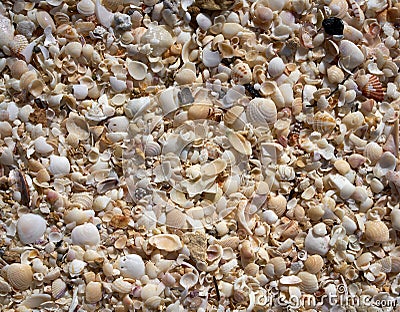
193 155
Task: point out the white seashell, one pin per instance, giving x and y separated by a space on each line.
118 124
85 234
343 185
73 49
36 87
44 19
239 143
230 30
78 216
77 125
42 147
59 165
169 100
6 31
117 85
309 282
30 228
241 73
159 39
373 151
376 231
80 91
316 244
335 74
276 67
188 280
210 58
350 55
135 107
137 70
131 266
167 242
35 300
85 7
386 163
122 286
261 112
93 292
101 202
104 16
185 76
76 267
203 21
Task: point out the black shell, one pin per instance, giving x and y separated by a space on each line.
333 26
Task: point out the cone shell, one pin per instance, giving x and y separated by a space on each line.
314 264
93 292
373 89
376 232
309 282
20 276
261 112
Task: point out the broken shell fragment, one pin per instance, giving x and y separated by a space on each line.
167 242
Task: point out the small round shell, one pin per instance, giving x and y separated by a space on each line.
85 234
335 75
373 151
58 288
131 266
30 227
20 276
373 89
277 204
85 7
241 73
309 282
93 292
176 219
314 264
323 122
122 286
261 112
18 68
276 67
376 232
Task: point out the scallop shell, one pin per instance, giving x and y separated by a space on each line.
261 112
85 234
20 276
309 282
323 122
121 286
30 228
277 204
335 74
241 73
373 89
93 292
58 288
176 219
83 200
376 232
86 7
18 44
167 242
314 264
373 151
131 266
276 67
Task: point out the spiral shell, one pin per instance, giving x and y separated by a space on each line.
376 232
241 73
261 112
20 276
314 264
323 122
93 292
373 89
309 282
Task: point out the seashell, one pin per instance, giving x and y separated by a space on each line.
30 228
386 163
211 58
76 267
316 244
241 73
152 149
373 151
159 39
26 79
350 55
353 120
339 8
276 67
42 147
44 19
78 216
58 288
188 280
176 219
85 234
185 76
230 30
261 112
277 204
93 292
137 70
376 232
234 117
363 261
104 16
342 166
86 7
199 111
20 276
335 74
373 89
279 266
251 269
323 122
118 124
309 282
167 242
121 286
131 266
36 87
6 31
18 68
18 44
35 300
213 168
73 49
113 5
231 242
77 125
314 264
59 165
239 143
290 280
80 91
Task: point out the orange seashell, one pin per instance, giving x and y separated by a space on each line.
373 89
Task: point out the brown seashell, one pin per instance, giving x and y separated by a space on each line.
277 204
324 122
58 288
113 5
20 276
241 73
251 269
18 44
314 264
279 265
119 221
309 282
200 111
376 232
291 231
93 292
18 68
373 89
335 74
232 242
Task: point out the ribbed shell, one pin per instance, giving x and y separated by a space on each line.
18 44
324 122
279 265
373 89
58 288
82 200
176 219
314 264
376 232
93 292
309 282
277 204
20 276
261 112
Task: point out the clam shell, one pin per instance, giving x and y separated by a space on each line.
373 151
86 7
137 70
350 55
278 265
93 292
176 219
6 31
30 228
167 242
261 112
58 288
335 75
251 269
18 44
353 120
112 5
188 280
323 122
85 234
36 87
309 282
314 264
339 8
241 73
131 266
277 204
20 276
276 67
152 149
76 267
159 39
18 68
376 232
83 200
122 286
373 89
